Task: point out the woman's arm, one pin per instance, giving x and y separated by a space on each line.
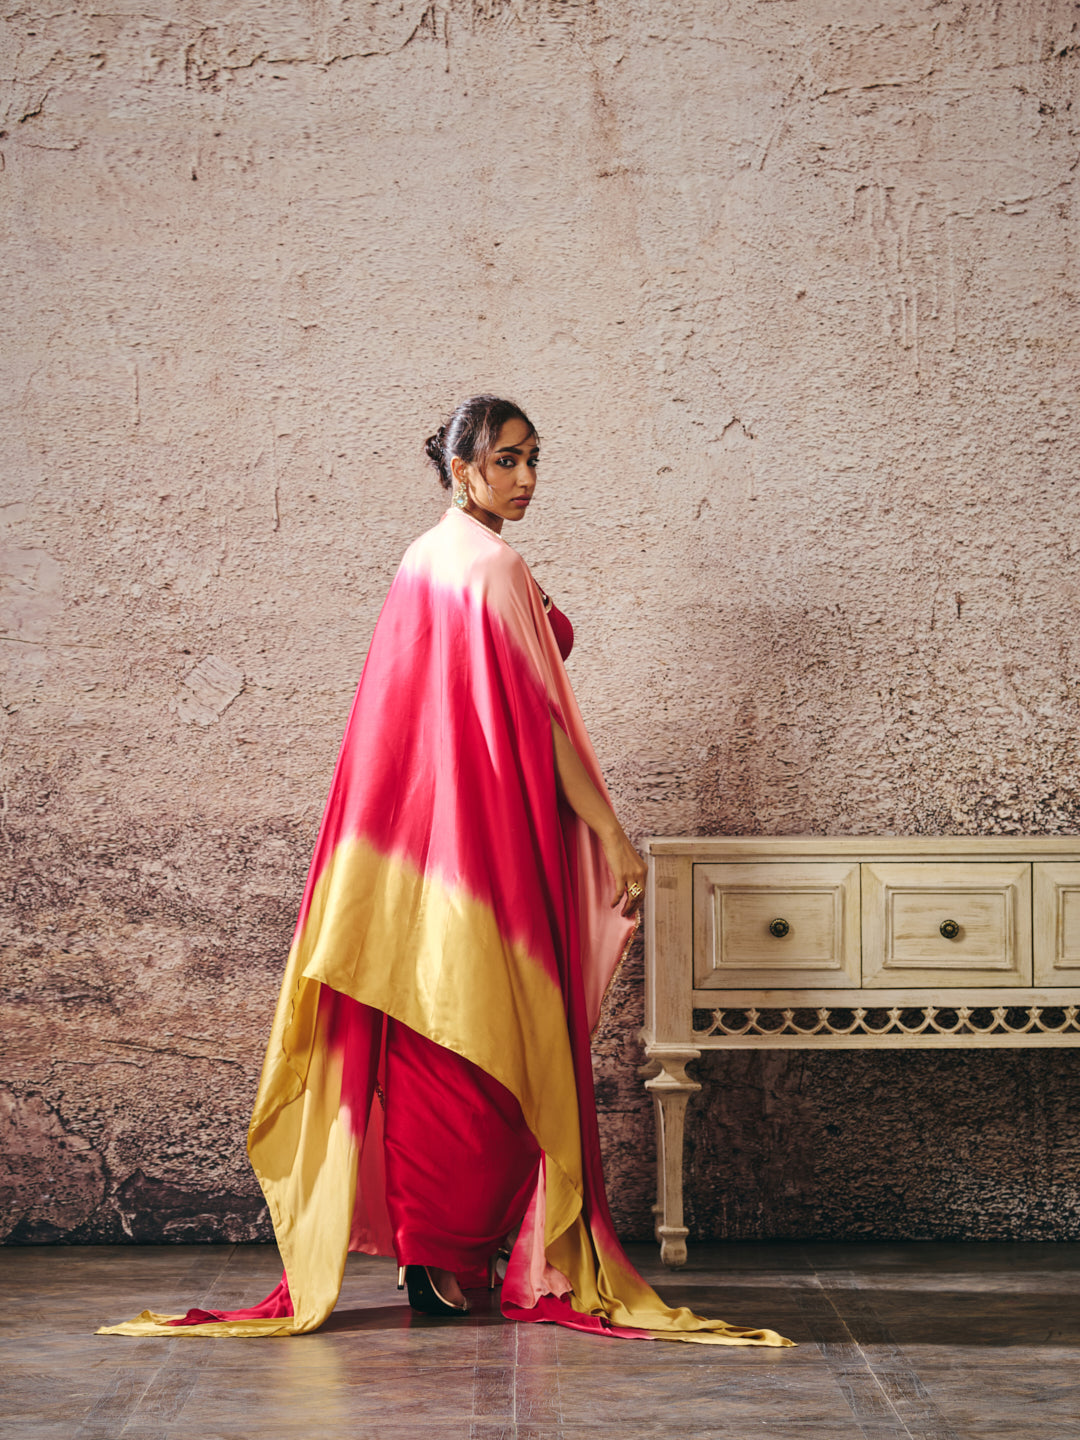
586 801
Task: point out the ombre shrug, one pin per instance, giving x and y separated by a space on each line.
451 889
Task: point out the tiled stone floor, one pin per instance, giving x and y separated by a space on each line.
928 1341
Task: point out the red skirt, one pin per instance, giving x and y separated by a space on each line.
461 1164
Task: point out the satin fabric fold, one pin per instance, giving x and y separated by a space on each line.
452 892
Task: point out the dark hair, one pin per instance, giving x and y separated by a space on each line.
470 434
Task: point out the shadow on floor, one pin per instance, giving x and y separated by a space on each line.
916 1342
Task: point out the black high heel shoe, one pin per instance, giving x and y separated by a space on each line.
423 1295
497 1267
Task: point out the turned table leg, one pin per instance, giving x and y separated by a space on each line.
670 1088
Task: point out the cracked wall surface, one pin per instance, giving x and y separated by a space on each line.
790 288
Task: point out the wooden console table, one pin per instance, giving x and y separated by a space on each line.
855 943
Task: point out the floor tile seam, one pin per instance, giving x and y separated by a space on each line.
172 1348
514 1378
559 1417
930 1411
88 1422
508 1365
514 1364
836 1370
133 1413
208 1289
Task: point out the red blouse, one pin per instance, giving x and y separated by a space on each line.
562 628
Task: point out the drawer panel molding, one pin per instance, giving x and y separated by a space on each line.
1056 902
776 925
946 925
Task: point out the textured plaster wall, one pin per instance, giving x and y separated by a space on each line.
790 288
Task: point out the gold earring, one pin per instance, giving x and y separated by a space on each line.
461 497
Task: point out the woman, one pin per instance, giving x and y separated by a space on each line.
427 1088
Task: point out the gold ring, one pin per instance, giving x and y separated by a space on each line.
633 890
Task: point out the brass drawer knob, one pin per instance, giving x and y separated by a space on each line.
779 928
950 929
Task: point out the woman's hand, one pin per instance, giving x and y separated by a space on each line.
629 870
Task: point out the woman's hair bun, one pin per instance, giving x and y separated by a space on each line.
435 450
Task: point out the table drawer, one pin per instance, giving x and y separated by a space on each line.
1057 923
776 926
948 925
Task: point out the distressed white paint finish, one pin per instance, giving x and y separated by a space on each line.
789 289
914 992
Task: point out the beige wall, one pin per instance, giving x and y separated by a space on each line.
790 289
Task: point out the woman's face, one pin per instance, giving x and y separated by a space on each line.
505 487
